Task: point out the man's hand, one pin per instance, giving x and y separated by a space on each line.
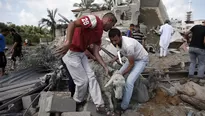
12 50
61 51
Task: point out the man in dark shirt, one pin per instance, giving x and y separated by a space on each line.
3 61
16 48
197 49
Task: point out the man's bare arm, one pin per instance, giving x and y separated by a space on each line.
187 35
204 40
96 53
114 59
130 66
89 54
14 45
70 30
69 36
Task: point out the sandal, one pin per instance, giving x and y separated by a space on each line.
103 110
119 112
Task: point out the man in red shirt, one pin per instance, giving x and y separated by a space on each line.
82 33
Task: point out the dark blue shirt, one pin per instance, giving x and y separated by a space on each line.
2 43
128 34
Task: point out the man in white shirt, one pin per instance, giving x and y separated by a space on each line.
166 32
137 60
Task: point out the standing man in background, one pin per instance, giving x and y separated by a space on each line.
16 48
3 61
197 49
166 32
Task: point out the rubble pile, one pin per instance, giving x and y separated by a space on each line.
34 87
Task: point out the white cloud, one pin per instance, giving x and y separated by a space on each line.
8 6
27 18
176 8
39 8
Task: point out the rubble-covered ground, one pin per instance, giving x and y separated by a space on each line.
166 99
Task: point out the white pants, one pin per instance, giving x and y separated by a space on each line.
163 51
83 77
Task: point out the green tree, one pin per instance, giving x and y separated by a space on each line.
49 22
87 4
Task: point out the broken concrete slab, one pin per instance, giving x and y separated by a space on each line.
43 103
76 114
27 100
60 102
89 106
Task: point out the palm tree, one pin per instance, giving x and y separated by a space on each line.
64 19
50 21
87 4
108 4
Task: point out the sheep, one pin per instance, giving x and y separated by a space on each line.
111 87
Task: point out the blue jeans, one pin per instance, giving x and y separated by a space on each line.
197 54
133 76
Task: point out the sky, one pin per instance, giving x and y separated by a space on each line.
29 12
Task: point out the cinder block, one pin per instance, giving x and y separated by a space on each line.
76 114
28 99
60 102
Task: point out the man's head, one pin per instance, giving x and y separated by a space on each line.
137 27
5 32
203 22
12 30
167 22
109 21
115 37
132 26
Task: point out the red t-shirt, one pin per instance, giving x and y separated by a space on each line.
89 33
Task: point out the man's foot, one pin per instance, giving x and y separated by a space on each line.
80 105
104 110
119 111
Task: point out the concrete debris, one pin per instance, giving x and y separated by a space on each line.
76 114
60 102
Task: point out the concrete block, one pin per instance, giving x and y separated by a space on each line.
76 114
28 99
43 103
60 102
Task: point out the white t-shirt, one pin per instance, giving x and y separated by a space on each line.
131 47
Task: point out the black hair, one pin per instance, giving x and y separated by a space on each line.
112 16
12 30
132 25
113 32
167 21
5 30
